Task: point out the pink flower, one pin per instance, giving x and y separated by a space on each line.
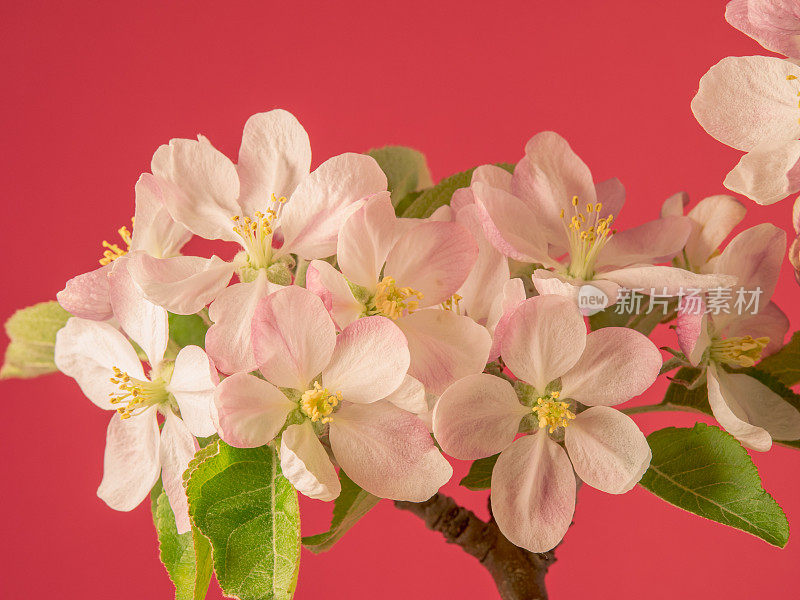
406 272
269 204
561 369
745 407
550 212
105 365
326 393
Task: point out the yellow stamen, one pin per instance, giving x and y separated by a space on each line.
136 394
318 403
112 251
588 232
392 301
256 233
738 351
451 303
552 413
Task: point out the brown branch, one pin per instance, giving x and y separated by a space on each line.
517 573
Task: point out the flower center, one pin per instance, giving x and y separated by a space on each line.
587 233
551 412
135 395
738 351
112 251
392 301
318 403
452 304
256 233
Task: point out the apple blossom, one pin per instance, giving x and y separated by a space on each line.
109 372
561 370
326 391
775 24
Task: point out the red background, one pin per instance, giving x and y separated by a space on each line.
90 90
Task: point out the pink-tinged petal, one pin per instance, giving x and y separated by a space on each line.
182 284
200 187
510 225
86 295
311 219
547 179
87 351
477 416
443 213
487 276
305 463
545 337
365 240
369 361
796 216
744 101
193 382
607 449
692 330
433 258
131 463
293 337
794 257
611 196
654 241
144 322
274 157
461 197
444 347
410 396
674 205
770 321
713 220
249 411
228 340
494 176
388 452
768 173
176 449
754 257
503 305
547 282
618 364
155 232
775 24
331 286
533 492
731 415
663 280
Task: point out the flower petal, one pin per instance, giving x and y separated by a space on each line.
433 258
87 351
444 347
311 219
200 187
250 412
618 364
733 418
181 284
176 449
274 157
502 306
332 287
775 24
388 452
365 241
674 205
549 282
654 241
155 232
714 218
611 196
533 492
492 175
369 361
607 449
692 330
768 173
86 295
746 100
193 382
663 280
131 464
544 339
306 465
293 337
770 321
410 396
477 416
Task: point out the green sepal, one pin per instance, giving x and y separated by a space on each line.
32 332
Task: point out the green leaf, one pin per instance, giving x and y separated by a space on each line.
480 474
187 330
705 471
784 365
352 504
429 200
32 332
186 556
406 170
241 502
